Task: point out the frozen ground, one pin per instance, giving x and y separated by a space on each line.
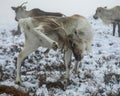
99 74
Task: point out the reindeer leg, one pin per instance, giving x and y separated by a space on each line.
114 26
67 60
76 67
31 45
28 48
46 51
19 30
119 29
47 42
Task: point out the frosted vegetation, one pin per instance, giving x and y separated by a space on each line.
42 74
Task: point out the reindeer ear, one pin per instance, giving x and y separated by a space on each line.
105 7
24 7
13 8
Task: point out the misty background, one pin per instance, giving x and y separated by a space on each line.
67 7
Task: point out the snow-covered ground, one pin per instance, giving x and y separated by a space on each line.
98 75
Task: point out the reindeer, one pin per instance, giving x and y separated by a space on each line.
21 12
109 16
73 34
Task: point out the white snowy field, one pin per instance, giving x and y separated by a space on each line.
99 74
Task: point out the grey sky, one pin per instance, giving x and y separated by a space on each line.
68 7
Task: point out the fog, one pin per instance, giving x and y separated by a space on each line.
67 7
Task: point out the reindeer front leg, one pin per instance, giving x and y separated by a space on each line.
119 29
114 27
18 30
67 59
76 67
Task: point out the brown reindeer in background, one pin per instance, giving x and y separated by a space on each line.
21 12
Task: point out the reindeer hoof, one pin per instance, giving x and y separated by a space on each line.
75 71
54 46
66 82
19 82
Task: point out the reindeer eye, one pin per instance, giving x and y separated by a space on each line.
99 10
73 44
70 41
75 32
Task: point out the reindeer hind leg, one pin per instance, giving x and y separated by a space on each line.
28 48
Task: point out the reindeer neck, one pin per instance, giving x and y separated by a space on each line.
26 13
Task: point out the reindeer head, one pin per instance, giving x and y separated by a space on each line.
20 11
99 12
76 45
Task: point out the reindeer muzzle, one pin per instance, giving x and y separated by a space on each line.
16 19
95 17
78 57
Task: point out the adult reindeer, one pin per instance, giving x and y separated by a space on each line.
109 16
73 34
21 12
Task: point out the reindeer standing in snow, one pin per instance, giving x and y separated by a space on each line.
74 34
109 16
21 12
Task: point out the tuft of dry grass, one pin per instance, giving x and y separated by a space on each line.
111 78
12 91
49 85
111 94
